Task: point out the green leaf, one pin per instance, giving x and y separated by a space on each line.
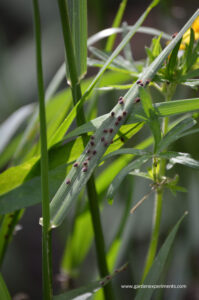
77 240
8 226
123 173
9 127
132 151
189 50
87 291
116 23
190 74
119 62
78 24
4 294
158 264
165 109
146 101
109 31
173 60
151 114
186 161
29 193
156 46
78 178
175 133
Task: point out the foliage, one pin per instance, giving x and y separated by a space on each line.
103 132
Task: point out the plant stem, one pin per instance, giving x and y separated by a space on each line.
91 188
46 233
168 91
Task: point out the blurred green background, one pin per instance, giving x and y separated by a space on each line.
22 266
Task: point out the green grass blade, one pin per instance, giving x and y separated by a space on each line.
77 11
120 47
158 264
132 151
9 127
8 225
77 177
4 293
121 175
87 291
116 23
46 234
175 133
109 31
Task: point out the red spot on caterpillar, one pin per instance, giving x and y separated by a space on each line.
85 163
116 123
111 130
105 130
89 158
119 118
124 113
102 139
94 152
68 181
92 137
84 169
112 114
92 143
88 151
76 165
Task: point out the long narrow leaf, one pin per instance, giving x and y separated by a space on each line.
78 177
175 133
4 294
121 175
116 23
87 291
158 264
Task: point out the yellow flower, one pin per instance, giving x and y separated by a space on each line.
186 36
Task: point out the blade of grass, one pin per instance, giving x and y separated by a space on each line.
78 178
116 23
4 293
158 264
46 233
91 188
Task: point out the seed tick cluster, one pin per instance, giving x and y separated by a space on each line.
106 138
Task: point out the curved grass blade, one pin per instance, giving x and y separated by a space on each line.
116 23
78 24
12 124
121 175
110 31
87 291
175 133
5 295
158 264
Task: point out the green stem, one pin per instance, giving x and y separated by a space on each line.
91 188
46 234
168 91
